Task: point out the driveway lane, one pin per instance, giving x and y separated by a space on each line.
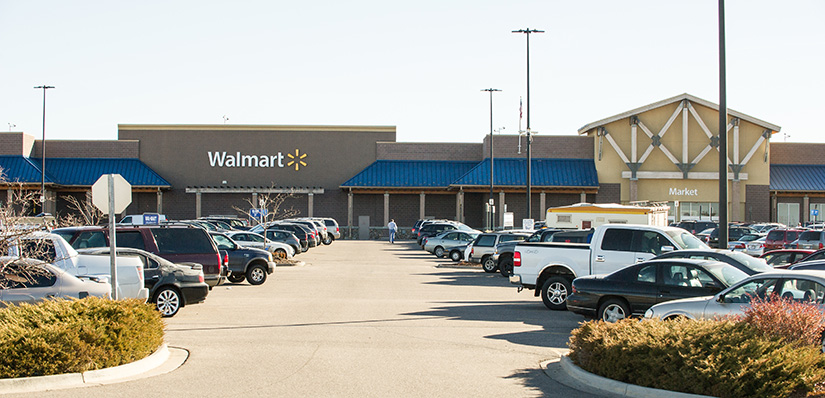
363 318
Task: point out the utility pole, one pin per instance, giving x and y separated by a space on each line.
527 32
43 153
723 135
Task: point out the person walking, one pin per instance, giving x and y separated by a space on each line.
393 228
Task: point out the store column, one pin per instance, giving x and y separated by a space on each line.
542 206
198 204
160 202
310 203
459 205
806 209
386 208
501 209
349 213
735 201
421 203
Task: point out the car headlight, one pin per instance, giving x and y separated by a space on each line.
270 257
649 313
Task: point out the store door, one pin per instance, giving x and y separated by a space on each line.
364 227
788 214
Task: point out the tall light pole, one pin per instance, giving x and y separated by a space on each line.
43 153
492 217
527 32
723 135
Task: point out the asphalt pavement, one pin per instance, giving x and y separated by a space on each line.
364 319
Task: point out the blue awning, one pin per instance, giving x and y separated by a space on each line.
80 171
409 174
797 177
553 173
19 169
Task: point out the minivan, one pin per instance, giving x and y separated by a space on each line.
813 239
779 237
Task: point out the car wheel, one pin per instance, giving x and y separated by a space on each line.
488 264
505 266
613 310
455 255
439 251
256 275
554 293
236 277
328 240
168 301
281 254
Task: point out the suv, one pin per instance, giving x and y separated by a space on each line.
484 247
696 226
245 262
814 239
174 242
779 237
287 237
433 229
333 232
734 233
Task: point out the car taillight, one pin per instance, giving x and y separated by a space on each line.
220 263
517 259
226 260
200 278
821 245
473 250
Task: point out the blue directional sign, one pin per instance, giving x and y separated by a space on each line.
814 212
258 213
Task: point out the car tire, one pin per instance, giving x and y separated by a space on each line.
328 240
236 277
613 310
554 292
256 275
168 301
439 251
488 264
505 266
280 254
455 255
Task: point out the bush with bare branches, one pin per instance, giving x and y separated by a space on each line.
272 203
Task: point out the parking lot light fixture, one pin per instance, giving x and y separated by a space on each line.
43 153
492 217
527 32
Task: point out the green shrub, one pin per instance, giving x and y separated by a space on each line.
67 336
792 321
722 358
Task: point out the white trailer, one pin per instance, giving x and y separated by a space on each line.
591 215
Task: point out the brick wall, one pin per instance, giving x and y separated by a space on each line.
87 149
368 205
428 151
404 209
16 144
758 203
559 147
608 193
797 153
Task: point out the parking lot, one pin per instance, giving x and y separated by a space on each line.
363 318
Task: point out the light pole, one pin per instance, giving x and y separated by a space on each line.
527 32
723 135
43 153
492 217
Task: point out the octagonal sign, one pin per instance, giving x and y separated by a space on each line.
122 192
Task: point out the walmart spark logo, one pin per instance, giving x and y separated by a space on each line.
297 160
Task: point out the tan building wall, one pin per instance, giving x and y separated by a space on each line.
659 177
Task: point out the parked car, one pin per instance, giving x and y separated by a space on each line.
171 286
484 247
333 231
813 239
245 262
433 229
777 238
803 286
285 237
756 248
250 239
301 233
457 253
734 234
437 244
696 226
53 282
311 226
236 223
178 243
632 290
765 227
745 263
808 265
741 244
504 251
817 255
782 258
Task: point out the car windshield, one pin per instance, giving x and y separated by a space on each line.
686 240
726 272
756 264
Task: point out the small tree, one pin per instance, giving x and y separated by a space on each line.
85 213
272 203
14 226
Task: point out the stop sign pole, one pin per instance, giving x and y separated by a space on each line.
111 193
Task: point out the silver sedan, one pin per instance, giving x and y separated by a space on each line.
802 286
446 239
53 283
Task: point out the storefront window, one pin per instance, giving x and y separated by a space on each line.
698 211
787 213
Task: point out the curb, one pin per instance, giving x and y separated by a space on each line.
92 377
617 387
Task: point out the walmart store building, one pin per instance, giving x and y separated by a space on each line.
360 175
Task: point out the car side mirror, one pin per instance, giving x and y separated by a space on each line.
667 249
720 299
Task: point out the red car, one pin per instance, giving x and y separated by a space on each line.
784 258
779 237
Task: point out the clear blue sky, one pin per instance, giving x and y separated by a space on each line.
418 65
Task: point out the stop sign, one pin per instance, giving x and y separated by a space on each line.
122 192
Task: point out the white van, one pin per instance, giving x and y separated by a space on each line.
143 219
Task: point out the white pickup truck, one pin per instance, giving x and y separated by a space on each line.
549 268
52 248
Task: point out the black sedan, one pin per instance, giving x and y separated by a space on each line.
171 286
748 264
633 289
